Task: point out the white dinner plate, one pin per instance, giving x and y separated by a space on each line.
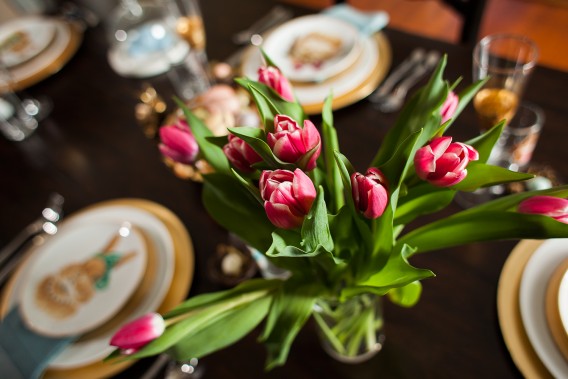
532 293
21 39
82 277
94 348
311 36
312 95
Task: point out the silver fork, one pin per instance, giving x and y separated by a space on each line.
399 73
46 223
395 100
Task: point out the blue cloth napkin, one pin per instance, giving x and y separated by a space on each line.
368 23
25 354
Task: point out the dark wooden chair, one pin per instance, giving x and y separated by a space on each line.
471 12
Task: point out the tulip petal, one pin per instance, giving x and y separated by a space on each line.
139 332
281 217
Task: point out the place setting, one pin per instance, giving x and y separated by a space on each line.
34 47
339 50
106 264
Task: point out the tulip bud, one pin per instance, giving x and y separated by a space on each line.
449 107
240 154
443 163
551 206
370 192
273 78
293 144
288 197
135 334
178 143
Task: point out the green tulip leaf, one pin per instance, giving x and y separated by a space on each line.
421 200
291 308
315 229
330 146
406 296
226 329
462 229
485 142
396 273
484 175
231 205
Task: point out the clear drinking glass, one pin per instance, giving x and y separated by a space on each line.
144 42
507 61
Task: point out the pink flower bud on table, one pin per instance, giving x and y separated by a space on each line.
135 334
293 144
442 162
551 206
369 192
288 197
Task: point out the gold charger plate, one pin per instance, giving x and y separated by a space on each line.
508 309
44 65
179 288
364 88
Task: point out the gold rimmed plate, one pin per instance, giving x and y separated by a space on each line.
84 358
51 59
349 86
508 309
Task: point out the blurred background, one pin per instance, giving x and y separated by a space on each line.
544 21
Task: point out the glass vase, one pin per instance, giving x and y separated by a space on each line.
350 331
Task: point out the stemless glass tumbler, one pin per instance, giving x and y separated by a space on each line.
506 61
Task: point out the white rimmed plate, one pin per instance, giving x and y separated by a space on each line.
89 350
91 295
32 35
532 293
312 95
318 32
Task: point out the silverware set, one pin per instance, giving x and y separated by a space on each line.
389 97
46 224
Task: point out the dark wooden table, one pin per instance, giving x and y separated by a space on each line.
91 149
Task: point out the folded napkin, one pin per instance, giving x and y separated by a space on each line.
367 22
25 354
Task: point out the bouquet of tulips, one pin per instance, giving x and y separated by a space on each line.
286 189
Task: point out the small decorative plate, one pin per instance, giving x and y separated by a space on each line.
23 38
82 277
313 48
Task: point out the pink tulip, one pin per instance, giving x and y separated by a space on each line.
178 143
443 163
449 107
369 192
288 197
273 78
551 206
135 334
293 144
240 154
